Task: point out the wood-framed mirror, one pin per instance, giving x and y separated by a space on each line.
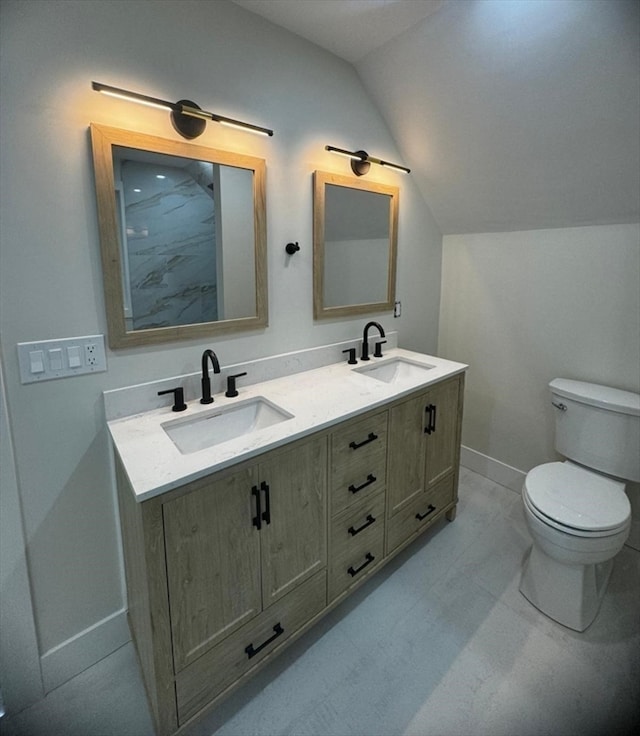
182 235
355 233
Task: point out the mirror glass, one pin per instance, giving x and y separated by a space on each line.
183 238
355 234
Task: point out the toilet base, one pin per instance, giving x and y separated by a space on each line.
568 594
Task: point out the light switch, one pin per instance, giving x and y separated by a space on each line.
36 361
55 359
74 356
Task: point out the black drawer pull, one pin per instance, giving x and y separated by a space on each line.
430 509
431 419
370 479
266 514
371 438
370 520
369 558
257 519
251 652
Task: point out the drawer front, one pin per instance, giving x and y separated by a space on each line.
358 461
356 543
221 666
419 514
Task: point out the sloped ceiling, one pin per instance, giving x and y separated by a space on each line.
512 114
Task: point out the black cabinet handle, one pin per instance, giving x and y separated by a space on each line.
370 479
370 438
369 521
427 426
266 514
251 652
430 509
431 419
369 558
257 519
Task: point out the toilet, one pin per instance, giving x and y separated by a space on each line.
577 511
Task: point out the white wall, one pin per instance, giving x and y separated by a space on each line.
229 61
525 307
17 629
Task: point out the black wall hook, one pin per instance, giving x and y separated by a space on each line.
292 248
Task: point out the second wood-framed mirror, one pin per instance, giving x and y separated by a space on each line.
182 235
355 232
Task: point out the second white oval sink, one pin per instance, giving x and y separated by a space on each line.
190 434
396 370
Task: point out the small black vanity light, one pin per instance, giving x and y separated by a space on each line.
361 161
187 118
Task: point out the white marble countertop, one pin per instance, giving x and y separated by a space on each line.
316 399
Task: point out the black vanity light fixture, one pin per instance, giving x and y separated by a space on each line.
187 118
361 161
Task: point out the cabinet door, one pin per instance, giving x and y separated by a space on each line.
442 443
406 463
294 542
213 564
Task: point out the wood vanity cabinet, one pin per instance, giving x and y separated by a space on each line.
222 571
225 571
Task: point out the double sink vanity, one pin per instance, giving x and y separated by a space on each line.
246 520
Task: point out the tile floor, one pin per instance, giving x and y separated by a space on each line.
440 643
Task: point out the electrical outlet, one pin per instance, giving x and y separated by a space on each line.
91 353
397 309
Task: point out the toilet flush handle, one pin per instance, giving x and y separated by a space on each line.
562 407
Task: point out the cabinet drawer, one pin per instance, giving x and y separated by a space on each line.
357 543
417 515
221 666
358 461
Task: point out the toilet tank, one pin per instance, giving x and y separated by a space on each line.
599 427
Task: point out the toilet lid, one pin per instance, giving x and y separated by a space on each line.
576 497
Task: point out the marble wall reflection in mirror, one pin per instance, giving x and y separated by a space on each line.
355 241
183 238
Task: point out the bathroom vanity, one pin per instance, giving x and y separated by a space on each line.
235 549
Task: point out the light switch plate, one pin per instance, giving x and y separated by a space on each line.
69 356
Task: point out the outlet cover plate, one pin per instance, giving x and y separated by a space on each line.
70 356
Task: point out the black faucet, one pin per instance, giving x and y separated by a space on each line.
365 339
206 383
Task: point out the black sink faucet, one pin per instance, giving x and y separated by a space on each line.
365 338
206 383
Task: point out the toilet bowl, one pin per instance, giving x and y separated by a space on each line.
579 521
577 511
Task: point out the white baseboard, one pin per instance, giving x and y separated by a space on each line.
84 649
493 469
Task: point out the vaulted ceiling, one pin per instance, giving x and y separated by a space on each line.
512 114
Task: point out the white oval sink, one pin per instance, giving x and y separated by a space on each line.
190 434
396 370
